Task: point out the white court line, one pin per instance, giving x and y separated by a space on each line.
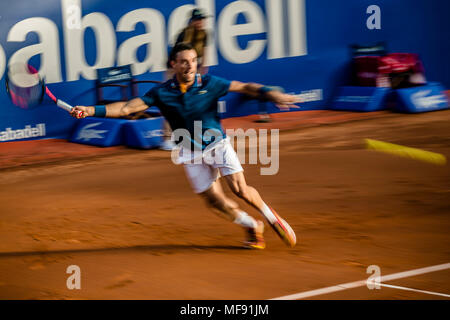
415 290
361 283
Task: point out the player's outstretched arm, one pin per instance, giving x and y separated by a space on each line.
282 100
112 110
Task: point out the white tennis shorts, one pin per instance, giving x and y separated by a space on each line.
202 171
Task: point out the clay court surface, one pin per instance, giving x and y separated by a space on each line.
129 220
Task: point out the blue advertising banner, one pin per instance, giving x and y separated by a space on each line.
301 45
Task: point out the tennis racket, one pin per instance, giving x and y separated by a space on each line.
26 88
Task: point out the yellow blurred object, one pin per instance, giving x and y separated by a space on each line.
407 152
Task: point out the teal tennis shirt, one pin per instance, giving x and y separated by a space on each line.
186 110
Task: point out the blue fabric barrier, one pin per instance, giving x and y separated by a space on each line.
99 132
144 134
430 97
365 99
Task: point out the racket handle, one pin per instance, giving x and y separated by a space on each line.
68 107
64 105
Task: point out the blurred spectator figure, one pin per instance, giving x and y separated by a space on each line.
196 35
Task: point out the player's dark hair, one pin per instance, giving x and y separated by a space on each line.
178 48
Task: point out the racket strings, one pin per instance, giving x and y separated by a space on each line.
24 85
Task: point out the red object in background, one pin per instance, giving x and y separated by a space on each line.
401 62
393 70
370 72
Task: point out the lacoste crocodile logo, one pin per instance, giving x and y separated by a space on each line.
87 133
422 100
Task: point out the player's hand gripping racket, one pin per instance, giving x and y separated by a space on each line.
26 88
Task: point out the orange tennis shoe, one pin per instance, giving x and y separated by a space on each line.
255 238
284 230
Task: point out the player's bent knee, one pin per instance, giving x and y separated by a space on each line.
214 201
211 201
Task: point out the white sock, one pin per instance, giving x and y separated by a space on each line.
245 220
267 212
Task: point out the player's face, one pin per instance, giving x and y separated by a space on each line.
185 66
198 24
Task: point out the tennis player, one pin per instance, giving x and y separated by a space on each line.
186 99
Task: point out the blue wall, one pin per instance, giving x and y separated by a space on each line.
418 26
